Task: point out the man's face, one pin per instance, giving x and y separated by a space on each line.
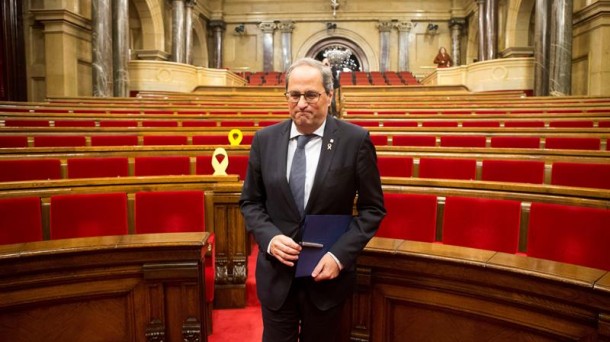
308 116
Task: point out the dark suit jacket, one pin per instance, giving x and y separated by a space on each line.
347 166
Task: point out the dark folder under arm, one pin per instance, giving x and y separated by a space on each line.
318 230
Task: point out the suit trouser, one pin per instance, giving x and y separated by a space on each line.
299 314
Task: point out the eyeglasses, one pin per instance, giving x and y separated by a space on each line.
310 96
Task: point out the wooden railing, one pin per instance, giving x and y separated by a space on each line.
115 288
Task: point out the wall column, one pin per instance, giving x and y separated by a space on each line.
178 31
188 31
404 28
101 48
121 48
217 26
268 28
385 28
541 48
491 25
481 21
456 25
286 27
560 75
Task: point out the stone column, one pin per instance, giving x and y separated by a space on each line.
268 28
491 25
121 48
188 31
178 31
404 28
482 29
286 27
101 48
541 48
560 72
217 26
456 25
385 28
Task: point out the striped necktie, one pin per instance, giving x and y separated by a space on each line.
297 172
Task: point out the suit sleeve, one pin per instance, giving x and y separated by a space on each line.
369 205
253 199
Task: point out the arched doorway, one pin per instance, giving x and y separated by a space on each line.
356 61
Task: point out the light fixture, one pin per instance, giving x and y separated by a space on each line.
432 27
240 29
331 26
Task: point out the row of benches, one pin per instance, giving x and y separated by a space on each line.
527 140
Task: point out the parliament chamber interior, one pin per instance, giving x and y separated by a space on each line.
125 131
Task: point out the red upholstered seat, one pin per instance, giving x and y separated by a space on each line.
13 141
379 140
414 140
26 123
399 166
29 169
529 123
482 223
519 171
365 123
237 123
409 217
211 139
603 123
238 165
400 123
165 140
462 141
98 167
581 175
118 123
114 140
203 165
59 141
515 142
572 123
440 124
84 215
577 235
169 211
480 124
445 168
20 220
159 123
199 123
265 123
573 143
74 123
161 166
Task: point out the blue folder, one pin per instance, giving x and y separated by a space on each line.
322 230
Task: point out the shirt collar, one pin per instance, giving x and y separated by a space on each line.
318 132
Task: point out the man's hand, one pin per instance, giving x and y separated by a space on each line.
284 249
326 269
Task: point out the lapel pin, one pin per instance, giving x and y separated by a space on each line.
330 145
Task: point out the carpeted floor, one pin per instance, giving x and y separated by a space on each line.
240 325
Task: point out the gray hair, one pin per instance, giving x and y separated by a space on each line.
327 76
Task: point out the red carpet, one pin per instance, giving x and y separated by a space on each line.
240 325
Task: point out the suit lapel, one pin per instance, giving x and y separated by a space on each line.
330 139
282 160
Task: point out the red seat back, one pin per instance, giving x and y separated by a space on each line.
573 143
13 141
581 175
577 235
84 215
445 168
515 142
20 220
482 223
518 171
98 167
379 140
59 141
162 166
414 140
114 140
29 169
165 140
395 166
211 139
462 141
169 211
409 217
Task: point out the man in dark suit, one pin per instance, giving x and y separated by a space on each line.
340 163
